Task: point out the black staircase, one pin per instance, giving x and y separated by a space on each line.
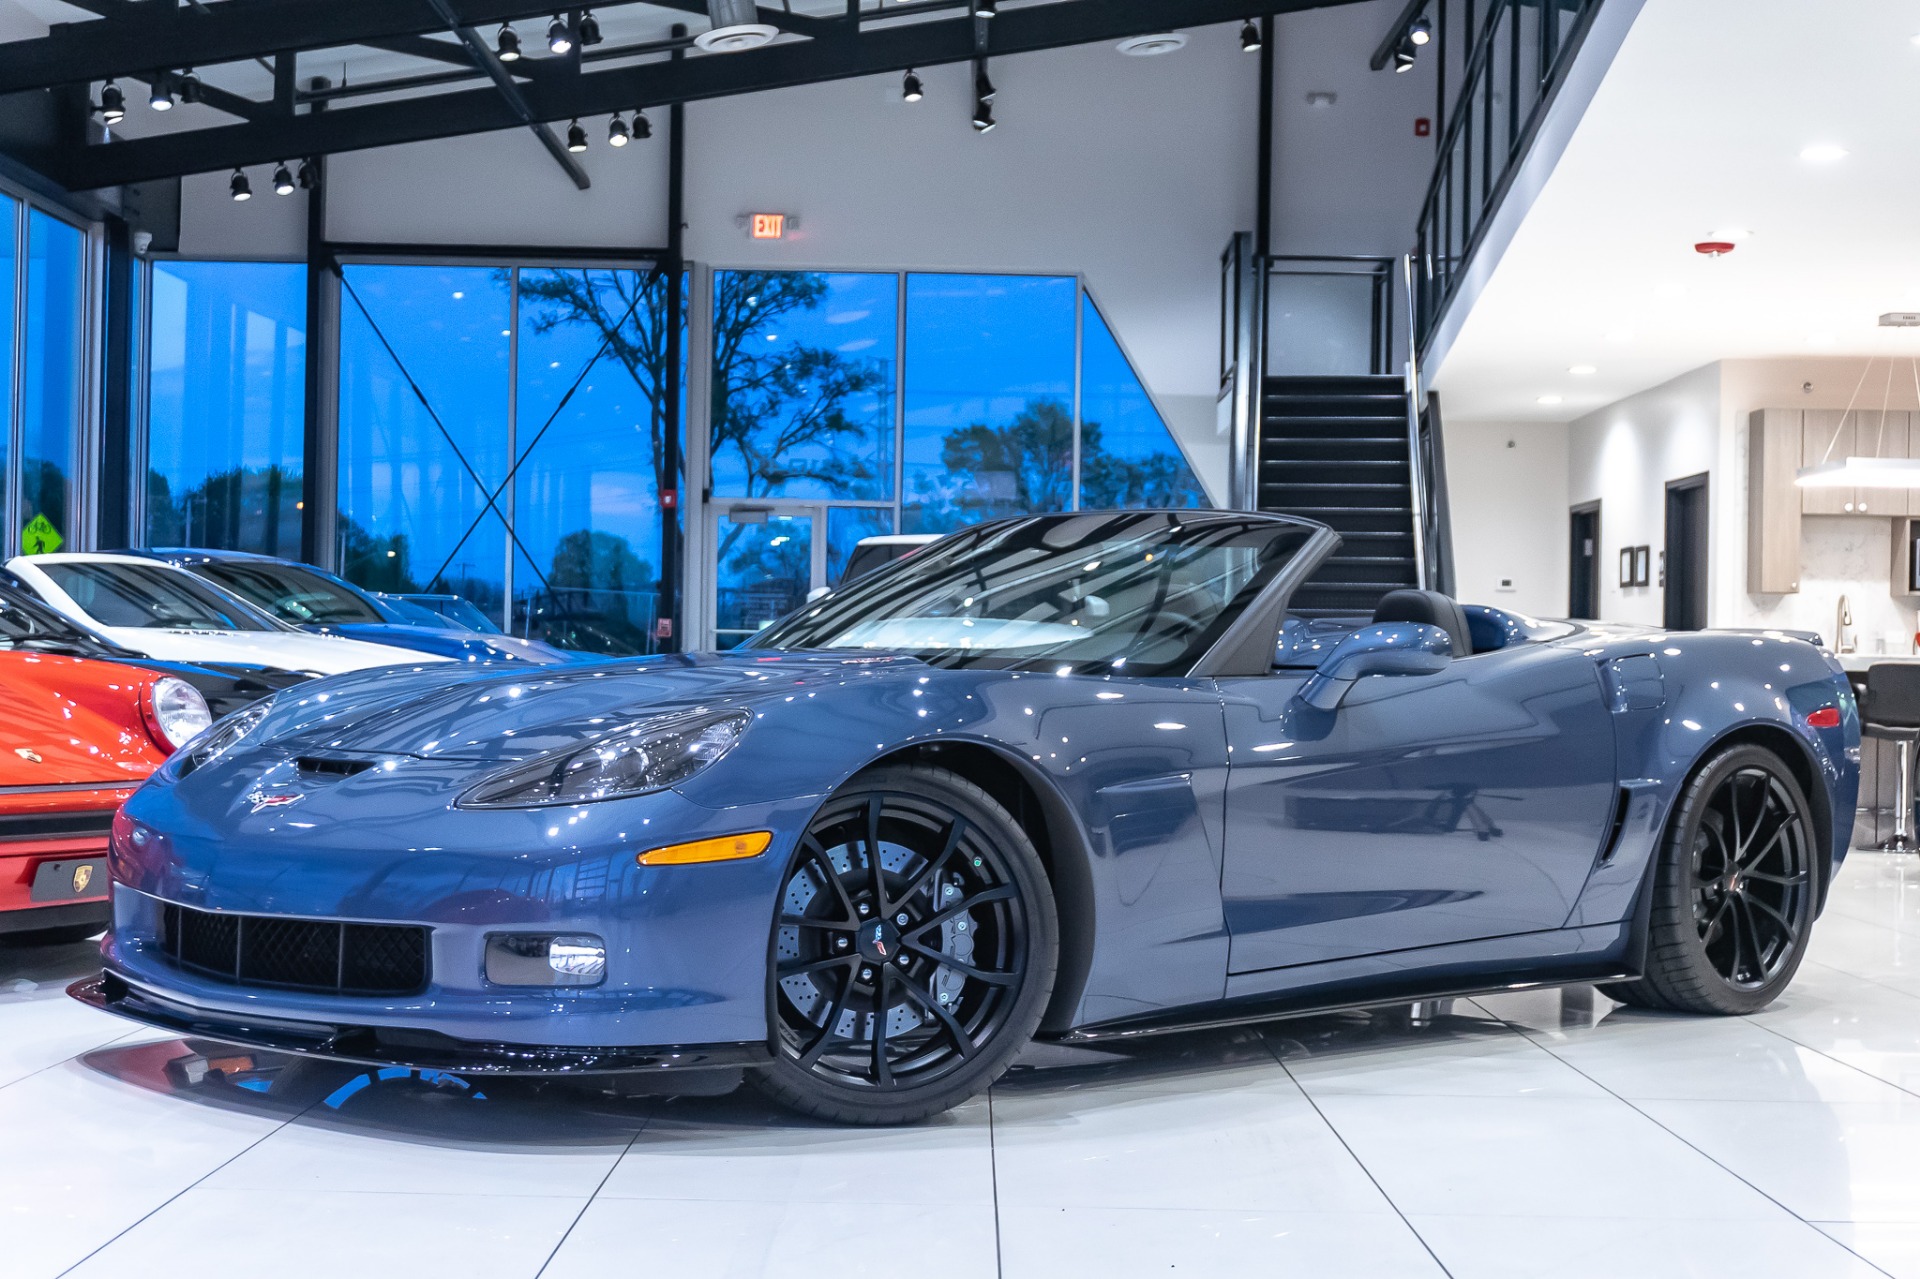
1337 450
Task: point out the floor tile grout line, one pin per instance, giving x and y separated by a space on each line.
612 1168
1631 1105
162 1206
1875 982
1352 1154
993 1168
1825 1056
92 1048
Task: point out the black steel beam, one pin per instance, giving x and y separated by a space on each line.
158 37
780 65
484 57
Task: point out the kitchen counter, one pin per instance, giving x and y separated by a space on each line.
1857 663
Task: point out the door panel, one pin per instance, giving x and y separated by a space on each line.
765 565
1425 810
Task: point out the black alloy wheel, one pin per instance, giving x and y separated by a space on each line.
913 953
1735 891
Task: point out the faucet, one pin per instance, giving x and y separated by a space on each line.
1843 632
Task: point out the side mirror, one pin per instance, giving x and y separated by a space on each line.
1395 648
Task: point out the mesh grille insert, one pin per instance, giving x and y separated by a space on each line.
298 954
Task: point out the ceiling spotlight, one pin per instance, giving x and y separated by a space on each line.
282 180
617 135
576 137
113 103
1582 370
983 89
736 26
983 116
589 29
189 86
986 9
910 88
506 45
559 39
306 176
1250 36
239 187
161 98
1403 56
642 127
1823 153
1421 31
1548 399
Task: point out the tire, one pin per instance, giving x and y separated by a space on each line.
960 988
1734 891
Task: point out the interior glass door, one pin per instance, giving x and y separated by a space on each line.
767 560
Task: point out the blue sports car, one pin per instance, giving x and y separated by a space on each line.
1071 776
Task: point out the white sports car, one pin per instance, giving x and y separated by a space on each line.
170 615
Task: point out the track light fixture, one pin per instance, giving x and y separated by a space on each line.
617 135
306 176
189 86
986 9
1403 56
589 30
161 96
559 39
506 44
1421 32
238 186
113 103
576 137
642 127
1250 36
282 180
982 116
910 89
983 89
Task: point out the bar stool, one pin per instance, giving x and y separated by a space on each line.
1892 714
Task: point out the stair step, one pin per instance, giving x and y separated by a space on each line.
1371 462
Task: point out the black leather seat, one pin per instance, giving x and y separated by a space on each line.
1431 608
1891 712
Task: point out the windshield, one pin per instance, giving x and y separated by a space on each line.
1144 592
289 592
149 597
29 624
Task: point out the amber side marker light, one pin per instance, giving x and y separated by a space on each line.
1825 717
726 848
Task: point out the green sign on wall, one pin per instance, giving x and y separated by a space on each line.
40 537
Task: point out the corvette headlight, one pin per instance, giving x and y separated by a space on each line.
648 756
224 736
176 712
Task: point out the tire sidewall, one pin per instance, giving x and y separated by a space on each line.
788 1083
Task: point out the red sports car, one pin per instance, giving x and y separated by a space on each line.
76 737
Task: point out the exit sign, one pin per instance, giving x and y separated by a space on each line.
768 226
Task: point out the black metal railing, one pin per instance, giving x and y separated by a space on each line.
1519 57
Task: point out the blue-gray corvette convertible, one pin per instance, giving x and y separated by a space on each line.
1067 777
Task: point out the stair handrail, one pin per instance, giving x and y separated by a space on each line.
1416 471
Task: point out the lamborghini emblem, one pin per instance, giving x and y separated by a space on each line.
82 876
29 754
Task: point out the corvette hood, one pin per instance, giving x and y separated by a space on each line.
495 715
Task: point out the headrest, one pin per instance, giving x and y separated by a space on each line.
1431 608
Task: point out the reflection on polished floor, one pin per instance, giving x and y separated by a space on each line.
1548 1133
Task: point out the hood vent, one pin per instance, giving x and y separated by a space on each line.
336 767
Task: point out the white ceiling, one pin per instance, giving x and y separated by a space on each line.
1699 127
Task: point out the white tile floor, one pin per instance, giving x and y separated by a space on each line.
1544 1134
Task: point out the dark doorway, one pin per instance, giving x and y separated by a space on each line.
1583 575
1685 566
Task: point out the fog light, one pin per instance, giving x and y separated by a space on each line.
541 959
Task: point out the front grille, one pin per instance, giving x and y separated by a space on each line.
297 954
56 825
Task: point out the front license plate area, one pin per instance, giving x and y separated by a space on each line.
73 880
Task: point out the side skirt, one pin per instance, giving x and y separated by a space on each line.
1533 961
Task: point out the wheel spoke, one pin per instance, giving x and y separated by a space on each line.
961 1044
800 968
989 976
1784 880
1006 892
1740 941
955 832
882 1069
829 1028
1758 951
824 864
808 921
875 870
1786 925
1719 912
1744 859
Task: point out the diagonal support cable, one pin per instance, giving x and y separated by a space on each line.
485 58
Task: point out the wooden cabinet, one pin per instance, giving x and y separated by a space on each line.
1828 435
1774 451
1880 434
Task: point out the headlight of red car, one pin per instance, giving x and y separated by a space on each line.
175 713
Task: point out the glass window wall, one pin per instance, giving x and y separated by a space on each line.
53 382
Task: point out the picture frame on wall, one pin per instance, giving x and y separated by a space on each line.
1626 566
1643 566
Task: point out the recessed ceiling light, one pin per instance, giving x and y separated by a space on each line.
1152 45
1548 399
1669 291
1822 153
1620 335
1583 370
1915 39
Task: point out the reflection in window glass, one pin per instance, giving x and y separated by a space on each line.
51 388
803 384
424 385
766 570
226 388
591 421
1128 458
989 398
9 231
846 525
